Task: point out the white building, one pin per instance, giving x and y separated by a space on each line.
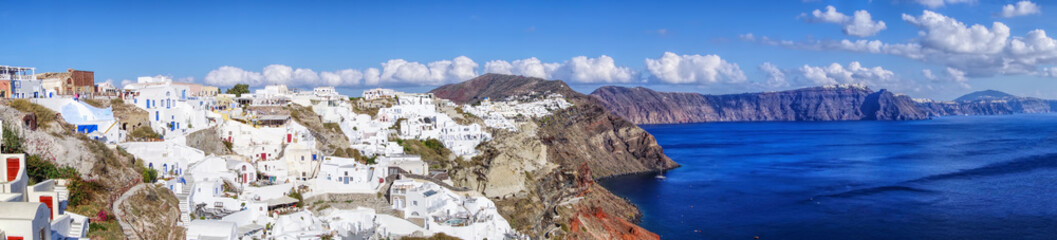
212 230
13 178
438 209
345 175
357 223
302 161
298 225
96 123
38 211
25 220
378 93
170 159
24 82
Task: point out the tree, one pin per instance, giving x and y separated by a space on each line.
239 89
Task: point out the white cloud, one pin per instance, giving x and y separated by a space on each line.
958 77
347 77
928 74
371 76
578 69
594 70
228 76
861 24
775 76
684 69
950 35
277 74
829 16
1048 72
941 3
976 51
1022 8
400 71
837 74
951 75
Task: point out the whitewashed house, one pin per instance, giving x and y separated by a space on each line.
345 175
212 230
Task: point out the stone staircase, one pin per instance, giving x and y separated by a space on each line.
77 227
185 206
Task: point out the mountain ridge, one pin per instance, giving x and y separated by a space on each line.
826 103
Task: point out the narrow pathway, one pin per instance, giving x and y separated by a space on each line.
120 214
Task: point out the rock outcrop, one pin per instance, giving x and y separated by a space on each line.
208 141
832 103
542 177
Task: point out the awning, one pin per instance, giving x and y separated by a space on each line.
284 200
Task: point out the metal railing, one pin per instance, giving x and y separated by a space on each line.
17 77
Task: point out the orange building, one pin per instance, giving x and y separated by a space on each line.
5 88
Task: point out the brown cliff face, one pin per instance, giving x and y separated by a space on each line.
580 144
645 106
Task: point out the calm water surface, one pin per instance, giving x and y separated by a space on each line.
989 177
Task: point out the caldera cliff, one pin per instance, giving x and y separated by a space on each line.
543 176
835 103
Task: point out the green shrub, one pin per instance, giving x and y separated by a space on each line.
150 175
12 140
82 192
40 170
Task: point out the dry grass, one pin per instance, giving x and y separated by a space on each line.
44 115
96 103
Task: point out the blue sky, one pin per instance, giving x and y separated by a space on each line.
418 45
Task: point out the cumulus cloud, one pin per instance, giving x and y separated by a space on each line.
277 73
775 77
372 76
1021 8
400 71
684 69
580 69
594 70
394 72
860 24
228 76
976 51
347 77
838 74
941 3
948 34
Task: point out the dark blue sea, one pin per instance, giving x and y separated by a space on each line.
979 177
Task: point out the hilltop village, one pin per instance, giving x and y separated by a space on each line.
273 163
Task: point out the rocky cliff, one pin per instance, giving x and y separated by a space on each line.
542 177
988 102
832 103
835 103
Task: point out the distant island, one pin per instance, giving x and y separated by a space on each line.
827 103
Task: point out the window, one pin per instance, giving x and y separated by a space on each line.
414 203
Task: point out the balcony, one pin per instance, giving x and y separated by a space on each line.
17 77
